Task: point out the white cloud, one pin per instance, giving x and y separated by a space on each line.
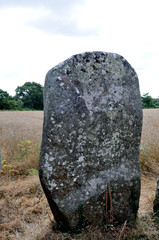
37 35
56 16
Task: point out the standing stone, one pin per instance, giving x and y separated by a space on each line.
156 201
91 136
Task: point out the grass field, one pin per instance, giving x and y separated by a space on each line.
24 211
20 137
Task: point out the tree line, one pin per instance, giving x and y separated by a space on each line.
149 102
30 97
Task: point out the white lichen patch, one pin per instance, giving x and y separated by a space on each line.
62 84
80 159
47 164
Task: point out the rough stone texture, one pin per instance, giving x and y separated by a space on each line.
156 201
91 136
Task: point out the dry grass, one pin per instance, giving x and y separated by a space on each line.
16 128
24 211
150 130
149 154
23 126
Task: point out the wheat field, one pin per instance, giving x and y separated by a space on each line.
27 125
20 125
150 129
15 126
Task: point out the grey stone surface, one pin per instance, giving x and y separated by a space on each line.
91 136
156 200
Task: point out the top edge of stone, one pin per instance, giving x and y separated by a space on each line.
115 55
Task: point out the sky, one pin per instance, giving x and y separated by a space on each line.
36 35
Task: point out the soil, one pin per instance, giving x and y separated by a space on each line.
25 213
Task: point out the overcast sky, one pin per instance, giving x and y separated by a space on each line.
35 35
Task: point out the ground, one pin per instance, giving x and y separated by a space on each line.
24 211
148 186
25 214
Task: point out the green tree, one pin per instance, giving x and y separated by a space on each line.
31 94
156 102
5 102
147 101
19 104
12 104
4 98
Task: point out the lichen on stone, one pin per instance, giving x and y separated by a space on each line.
91 136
